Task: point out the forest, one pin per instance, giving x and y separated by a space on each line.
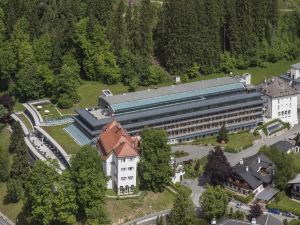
48 47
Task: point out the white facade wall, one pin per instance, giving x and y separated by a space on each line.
127 172
295 73
121 171
108 169
259 189
284 108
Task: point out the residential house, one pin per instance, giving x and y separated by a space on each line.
287 146
251 175
292 77
119 152
295 187
267 219
281 100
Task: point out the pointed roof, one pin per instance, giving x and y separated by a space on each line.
115 138
125 150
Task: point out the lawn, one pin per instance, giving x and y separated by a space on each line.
237 141
89 93
258 73
124 210
66 142
25 121
90 90
11 210
284 203
4 138
53 113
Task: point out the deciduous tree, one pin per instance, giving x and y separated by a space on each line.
217 169
4 165
255 211
214 202
90 185
50 198
155 168
183 211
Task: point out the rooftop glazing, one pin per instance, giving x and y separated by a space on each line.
175 98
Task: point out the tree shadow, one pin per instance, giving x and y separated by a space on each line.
203 181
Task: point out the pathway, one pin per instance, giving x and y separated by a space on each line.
196 151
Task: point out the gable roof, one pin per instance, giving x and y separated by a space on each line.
115 138
296 66
253 177
296 180
267 219
283 146
276 87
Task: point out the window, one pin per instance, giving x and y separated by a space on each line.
130 178
130 168
123 169
279 113
131 159
123 178
289 112
122 160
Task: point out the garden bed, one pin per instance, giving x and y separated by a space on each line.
237 141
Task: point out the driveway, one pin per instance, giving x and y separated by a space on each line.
196 152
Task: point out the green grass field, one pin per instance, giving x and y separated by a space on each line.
90 90
284 203
4 138
25 121
53 113
11 210
236 141
124 210
66 142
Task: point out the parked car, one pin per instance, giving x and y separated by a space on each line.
238 205
288 214
274 211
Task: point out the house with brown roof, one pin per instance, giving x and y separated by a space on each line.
119 152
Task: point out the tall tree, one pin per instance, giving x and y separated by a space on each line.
117 31
214 202
4 165
50 198
16 137
255 211
217 169
223 135
155 168
147 19
183 211
90 185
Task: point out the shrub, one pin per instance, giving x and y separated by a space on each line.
64 102
14 190
179 154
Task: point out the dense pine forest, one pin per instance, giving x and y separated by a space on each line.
47 47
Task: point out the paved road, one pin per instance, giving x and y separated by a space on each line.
196 151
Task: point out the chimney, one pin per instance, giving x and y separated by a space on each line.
241 161
213 221
258 159
247 168
253 221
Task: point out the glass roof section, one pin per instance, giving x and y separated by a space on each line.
175 97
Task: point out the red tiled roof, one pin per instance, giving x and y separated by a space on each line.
113 138
125 150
